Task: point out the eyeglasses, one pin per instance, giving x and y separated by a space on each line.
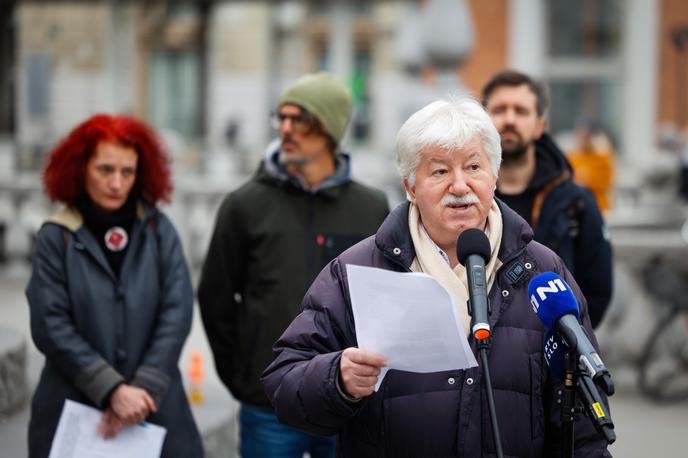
300 123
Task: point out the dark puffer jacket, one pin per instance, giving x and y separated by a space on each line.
428 415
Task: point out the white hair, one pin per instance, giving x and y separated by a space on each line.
448 123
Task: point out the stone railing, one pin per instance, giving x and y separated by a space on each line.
13 385
23 208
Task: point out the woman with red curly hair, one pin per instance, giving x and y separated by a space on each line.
110 294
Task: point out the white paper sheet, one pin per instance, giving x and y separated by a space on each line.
77 436
410 319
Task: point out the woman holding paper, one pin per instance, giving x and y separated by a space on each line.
110 294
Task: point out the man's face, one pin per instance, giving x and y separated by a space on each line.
514 113
302 141
110 175
453 190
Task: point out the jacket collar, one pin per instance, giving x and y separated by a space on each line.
71 219
551 163
394 239
271 170
516 233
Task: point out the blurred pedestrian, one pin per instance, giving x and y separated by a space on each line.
592 159
271 238
535 180
110 294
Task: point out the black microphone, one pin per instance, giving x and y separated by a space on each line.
594 408
557 308
473 251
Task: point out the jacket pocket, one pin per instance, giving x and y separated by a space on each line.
421 414
366 426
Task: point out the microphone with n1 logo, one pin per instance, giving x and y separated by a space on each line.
473 252
556 306
554 350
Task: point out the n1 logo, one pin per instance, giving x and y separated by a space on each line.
553 286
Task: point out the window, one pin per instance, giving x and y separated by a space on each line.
583 63
585 28
174 94
585 100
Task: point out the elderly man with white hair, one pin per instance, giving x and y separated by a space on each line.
448 155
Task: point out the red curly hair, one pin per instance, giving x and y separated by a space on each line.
63 177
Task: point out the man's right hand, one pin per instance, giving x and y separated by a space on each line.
358 371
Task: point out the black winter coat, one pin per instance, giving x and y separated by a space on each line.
97 330
271 239
428 415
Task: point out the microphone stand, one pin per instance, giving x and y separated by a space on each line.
483 346
579 382
568 405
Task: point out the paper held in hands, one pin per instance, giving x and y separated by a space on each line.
410 319
77 436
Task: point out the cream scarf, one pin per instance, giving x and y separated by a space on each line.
428 259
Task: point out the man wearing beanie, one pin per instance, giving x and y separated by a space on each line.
272 237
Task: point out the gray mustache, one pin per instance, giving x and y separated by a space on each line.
466 199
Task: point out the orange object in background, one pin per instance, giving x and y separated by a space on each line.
593 163
196 376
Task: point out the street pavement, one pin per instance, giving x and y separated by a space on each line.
643 429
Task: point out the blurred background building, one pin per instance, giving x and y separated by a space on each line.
208 73
209 70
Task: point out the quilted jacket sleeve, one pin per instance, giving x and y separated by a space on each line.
301 381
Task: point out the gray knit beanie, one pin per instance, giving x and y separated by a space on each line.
325 97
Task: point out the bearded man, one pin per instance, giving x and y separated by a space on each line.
536 181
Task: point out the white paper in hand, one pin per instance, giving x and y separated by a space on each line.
77 436
410 319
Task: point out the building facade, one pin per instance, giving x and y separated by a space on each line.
208 73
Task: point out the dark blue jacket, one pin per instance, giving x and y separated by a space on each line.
566 218
428 415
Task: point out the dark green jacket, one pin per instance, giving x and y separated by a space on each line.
97 330
271 239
